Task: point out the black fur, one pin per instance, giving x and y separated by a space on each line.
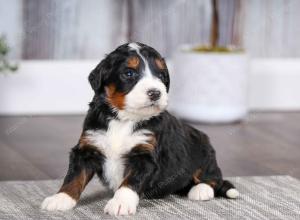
180 149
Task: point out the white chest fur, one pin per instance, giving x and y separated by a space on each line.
118 140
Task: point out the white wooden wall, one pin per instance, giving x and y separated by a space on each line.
71 29
272 28
86 29
168 24
11 25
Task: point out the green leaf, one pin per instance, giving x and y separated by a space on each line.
5 66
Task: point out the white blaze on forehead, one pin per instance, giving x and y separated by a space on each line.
136 48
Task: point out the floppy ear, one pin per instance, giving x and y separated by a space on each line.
99 74
168 75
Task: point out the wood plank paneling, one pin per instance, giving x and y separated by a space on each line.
11 25
76 29
71 29
167 24
265 28
272 28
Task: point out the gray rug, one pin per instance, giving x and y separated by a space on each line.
276 197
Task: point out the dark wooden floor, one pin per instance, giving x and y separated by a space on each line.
264 144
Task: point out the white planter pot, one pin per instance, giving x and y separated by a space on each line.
209 87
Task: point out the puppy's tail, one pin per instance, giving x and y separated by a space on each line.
227 190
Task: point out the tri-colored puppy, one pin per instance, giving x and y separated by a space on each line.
136 147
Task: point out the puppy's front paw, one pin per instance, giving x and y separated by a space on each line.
124 202
59 201
202 192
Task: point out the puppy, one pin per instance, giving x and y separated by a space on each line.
136 147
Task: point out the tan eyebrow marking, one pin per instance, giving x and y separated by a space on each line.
133 62
160 63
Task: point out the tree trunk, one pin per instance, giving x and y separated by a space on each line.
214 35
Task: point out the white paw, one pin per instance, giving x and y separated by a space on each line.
59 201
232 193
202 192
124 202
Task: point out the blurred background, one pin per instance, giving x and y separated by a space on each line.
74 29
238 59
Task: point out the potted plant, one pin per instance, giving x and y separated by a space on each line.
5 65
210 82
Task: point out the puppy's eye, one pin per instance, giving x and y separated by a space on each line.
161 76
129 74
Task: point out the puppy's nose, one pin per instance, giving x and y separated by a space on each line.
153 94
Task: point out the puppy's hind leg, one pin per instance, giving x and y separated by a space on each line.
212 176
200 190
210 184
